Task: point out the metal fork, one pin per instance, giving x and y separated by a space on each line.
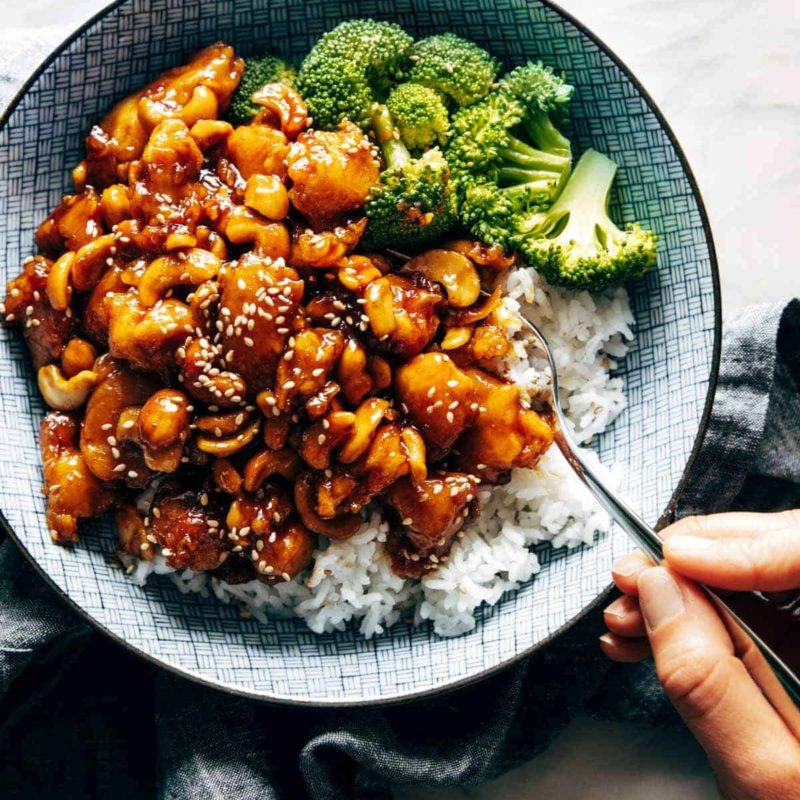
772 626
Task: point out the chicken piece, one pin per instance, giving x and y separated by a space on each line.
332 173
385 462
325 249
336 308
197 90
45 329
164 176
73 491
403 313
114 143
322 437
489 341
279 548
505 435
438 396
74 223
147 338
305 366
200 89
95 314
203 379
188 522
431 513
258 150
132 534
259 309
117 387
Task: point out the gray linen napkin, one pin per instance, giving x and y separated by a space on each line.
82 718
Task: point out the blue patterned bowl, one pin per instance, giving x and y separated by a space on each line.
669 374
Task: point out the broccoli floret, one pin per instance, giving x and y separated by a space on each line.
454 66
258 71
412 205
574 244
419 114
507 156
350 68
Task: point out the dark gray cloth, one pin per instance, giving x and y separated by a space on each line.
82 718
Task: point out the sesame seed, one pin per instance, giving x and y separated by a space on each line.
132 473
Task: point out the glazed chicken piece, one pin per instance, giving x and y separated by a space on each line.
438 396
197 90
253 338
325 249
132 533
403 313
147 338
386 461
279 548
117 388
74 223
258 150
332 173
46 330
201 376
200 89
505 435
164 176
188 522
73 491
305 366
431 513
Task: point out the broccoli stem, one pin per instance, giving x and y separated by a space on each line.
395 152
519 152
514 175
584 200
541 129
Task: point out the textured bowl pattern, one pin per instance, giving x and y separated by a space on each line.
667 374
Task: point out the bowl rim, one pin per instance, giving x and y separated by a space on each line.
666 517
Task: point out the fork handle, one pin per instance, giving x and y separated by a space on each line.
773 628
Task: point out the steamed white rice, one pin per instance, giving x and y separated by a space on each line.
352 581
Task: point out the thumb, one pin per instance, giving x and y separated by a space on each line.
740 551
748 744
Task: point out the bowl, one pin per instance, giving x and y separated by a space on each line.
669 373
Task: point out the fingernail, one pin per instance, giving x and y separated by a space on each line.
660 597
607 639
689 545
618 609
628 565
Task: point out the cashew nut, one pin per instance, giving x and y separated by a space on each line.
195 267
456 337
380 308
65 394
451 269
228 445
263 465
367 418
59 290
91 262
286 103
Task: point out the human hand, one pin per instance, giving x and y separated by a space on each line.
713 674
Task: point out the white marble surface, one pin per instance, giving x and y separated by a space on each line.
726 74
